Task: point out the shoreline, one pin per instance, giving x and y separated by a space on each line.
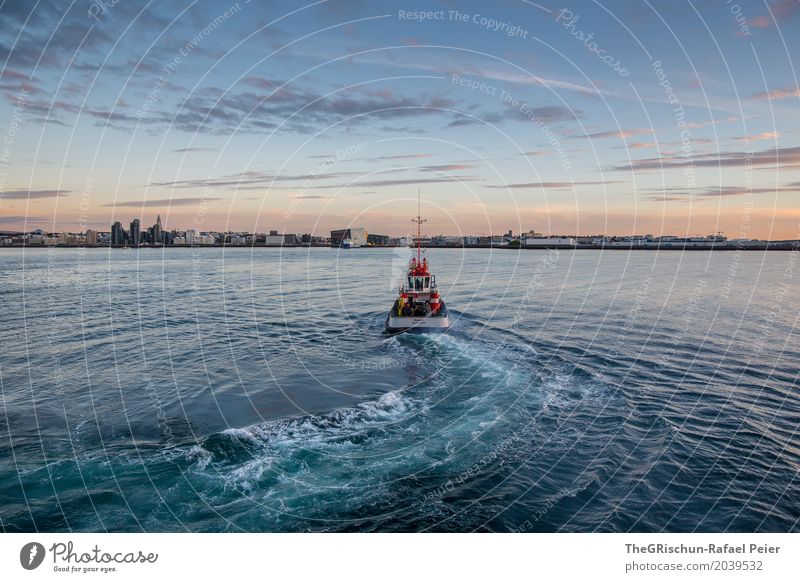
776 246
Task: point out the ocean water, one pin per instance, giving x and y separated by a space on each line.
253 390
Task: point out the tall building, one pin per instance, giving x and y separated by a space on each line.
135 232
91 237
117 235
158 232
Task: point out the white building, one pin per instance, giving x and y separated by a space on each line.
190 235
550 242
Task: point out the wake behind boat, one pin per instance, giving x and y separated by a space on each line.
419 307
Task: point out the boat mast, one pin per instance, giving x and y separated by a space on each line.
419 220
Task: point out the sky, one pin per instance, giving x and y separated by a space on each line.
578 117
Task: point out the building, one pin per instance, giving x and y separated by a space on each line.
117 235
135 234
550 242
91 237
190 235
357 236
378 240
158 232
274 240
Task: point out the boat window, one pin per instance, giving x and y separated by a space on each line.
410 283
418 283
427 282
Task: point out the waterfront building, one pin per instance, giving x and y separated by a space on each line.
378 240
135 233
190 235
274 240
357 236
158 232
550 242
117 235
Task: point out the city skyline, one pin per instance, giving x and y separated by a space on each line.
623 119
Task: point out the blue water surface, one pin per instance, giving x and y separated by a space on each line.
253 390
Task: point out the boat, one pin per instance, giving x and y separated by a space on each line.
419 307
347 243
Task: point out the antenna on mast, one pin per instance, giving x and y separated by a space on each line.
419 220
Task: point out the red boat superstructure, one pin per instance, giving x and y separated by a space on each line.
419 306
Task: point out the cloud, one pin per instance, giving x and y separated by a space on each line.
544 114
640 145
187 150
554 185
620 133
298 110
681 195
252 179
776 94
31 194
779 9
257 179
405 182
772 135
400 157
161 202
23 219
710 122
775 157
445 167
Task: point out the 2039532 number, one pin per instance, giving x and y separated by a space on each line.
737 565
